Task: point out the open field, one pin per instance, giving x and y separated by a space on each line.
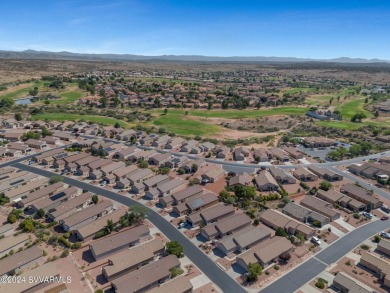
320 100
181 125
350 108
21 90
75 117
300 90
238 114
68 97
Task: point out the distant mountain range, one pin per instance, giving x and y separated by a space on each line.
32 54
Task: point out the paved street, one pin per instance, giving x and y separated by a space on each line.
216 275
289 282
363 183
241 167
308 270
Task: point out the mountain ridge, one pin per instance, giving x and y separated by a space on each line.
65 55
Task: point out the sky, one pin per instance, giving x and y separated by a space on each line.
285 28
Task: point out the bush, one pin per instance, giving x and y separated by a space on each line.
176 272
304 185
348 263
317 224
101 233
356 215
276 267
377 238
64 242
65 253
11 218
365 247
320 285
76 245
266 272
55 179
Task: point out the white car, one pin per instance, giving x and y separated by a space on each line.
182 225
367 215
315 240
384 234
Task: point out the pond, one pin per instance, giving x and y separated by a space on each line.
24 101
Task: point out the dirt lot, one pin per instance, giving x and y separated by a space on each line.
350 219
279 122
327 236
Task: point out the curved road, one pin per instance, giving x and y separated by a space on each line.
216 275
289 282
302 274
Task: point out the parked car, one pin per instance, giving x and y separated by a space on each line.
367 215
182 224
384 218
315 240
385 209
384 234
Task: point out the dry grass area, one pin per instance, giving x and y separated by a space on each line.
12 70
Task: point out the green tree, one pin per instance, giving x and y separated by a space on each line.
27 225
117 125
31 135
143 164
41 213
358 117
34 91
164 170
7 102
18 117
95 199
104 101
281 232
46 132
254 271
12 218
3 199
325 185
175 248
55 179
175 271
247 192
355 150
110 225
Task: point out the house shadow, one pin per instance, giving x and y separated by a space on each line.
173 214
87 257
101 279
58 229
238 269
159 205
200 238
73 238
218 253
